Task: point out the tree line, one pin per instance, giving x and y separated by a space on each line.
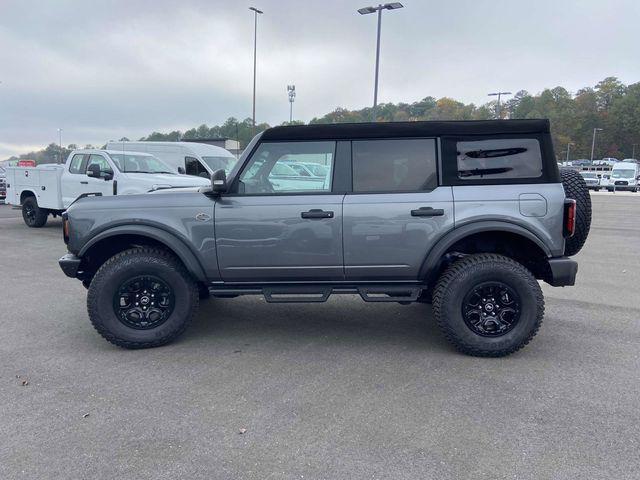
610 105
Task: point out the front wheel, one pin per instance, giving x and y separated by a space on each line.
32 214
488 305
141 298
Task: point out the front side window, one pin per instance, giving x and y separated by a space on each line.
271 170
102 163
76 164
398 165
192 166
500 158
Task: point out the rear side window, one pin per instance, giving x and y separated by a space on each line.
396 165
76 164
496 159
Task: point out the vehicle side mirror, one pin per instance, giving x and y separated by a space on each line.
219 181
181 170
93 171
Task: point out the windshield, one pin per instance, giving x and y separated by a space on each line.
622 173
219 163
589 175
134 163
2 170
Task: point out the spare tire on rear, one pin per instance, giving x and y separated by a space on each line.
576 188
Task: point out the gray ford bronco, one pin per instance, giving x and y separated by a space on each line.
466 215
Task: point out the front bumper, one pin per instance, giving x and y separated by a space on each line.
70 265
563 272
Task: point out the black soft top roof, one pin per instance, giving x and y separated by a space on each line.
404 129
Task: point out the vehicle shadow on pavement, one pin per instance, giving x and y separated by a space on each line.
345 320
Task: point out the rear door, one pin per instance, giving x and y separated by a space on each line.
396 211
277 226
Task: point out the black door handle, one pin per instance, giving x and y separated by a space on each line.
427 212
84 183
316 213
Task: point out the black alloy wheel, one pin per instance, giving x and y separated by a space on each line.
491 309
143 302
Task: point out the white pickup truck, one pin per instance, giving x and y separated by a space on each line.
49 189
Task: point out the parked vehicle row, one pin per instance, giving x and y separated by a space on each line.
466 215
3 184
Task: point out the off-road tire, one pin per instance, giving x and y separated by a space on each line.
576 188
464 275
32 214
127 264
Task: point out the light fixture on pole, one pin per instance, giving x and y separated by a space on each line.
291 90
379 9
568 147
498 94
255 44
593 141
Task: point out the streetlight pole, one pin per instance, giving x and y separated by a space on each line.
568 147
291 90
379 9
498 94
255 45
593 141
60 145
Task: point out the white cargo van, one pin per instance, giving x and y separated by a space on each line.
624 176
199 159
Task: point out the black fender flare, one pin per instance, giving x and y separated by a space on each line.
434 256
172 242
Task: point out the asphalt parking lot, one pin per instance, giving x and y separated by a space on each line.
337 390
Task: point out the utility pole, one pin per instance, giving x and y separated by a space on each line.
568 147
291 90
255 45
499 94
379 9
60 145
593 141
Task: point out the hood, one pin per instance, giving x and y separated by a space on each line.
167 180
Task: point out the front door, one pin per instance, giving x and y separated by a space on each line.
99 185
277 225
396 211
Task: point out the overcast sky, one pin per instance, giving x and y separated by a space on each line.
103 70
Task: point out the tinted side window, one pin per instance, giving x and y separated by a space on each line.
192 166
76 164
401 165
500 158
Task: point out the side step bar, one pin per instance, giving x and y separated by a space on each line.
320 293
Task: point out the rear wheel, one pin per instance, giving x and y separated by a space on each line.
488 305
142 298
576 188
32 214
